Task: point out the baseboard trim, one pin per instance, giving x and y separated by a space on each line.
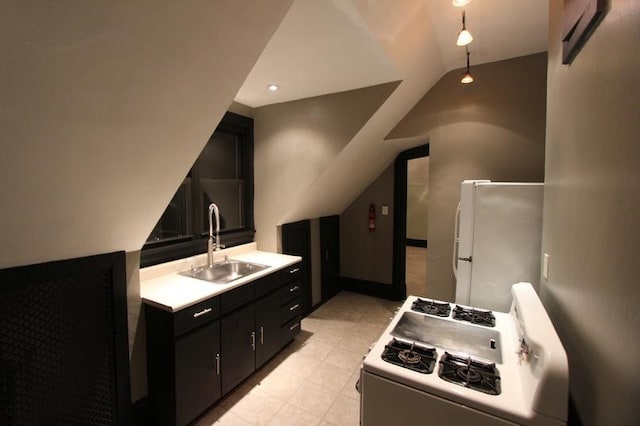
416 242
369 288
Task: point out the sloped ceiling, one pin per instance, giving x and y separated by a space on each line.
104 107
331 46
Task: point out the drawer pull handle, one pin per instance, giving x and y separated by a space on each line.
253 340
262 335
294 326
202 312
293 271
218 364
294 288
294 307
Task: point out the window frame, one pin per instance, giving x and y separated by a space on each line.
156 252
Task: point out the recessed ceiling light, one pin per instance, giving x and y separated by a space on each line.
273 87
460 3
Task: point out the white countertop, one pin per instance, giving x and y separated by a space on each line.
162 286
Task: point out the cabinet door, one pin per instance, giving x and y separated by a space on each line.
267 327
330 252
238 346
197 371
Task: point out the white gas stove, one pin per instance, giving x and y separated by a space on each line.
455 365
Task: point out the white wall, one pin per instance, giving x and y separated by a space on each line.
104 108
592 206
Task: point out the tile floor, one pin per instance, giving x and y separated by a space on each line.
312 381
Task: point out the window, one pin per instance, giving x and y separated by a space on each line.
222 174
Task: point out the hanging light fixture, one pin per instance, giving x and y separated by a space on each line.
464 37
467 78
460 3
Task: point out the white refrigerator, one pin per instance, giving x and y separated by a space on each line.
497 242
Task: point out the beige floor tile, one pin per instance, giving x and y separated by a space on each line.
330 377
313 398
344 359
356 344
300 365
281 383
344 412
257 407
349 389
290 415
315 348
219 416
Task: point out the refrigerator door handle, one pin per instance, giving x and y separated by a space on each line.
466 259
456 241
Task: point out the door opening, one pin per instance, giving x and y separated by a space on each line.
401 197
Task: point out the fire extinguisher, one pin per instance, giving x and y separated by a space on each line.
372 217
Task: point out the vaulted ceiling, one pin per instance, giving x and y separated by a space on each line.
331 46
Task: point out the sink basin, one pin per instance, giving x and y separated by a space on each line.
223 273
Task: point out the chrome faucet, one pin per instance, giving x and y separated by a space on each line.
213 245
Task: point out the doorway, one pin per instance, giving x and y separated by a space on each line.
400 199
417 224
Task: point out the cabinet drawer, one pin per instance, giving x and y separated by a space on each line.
266 284
289 330
290 291
290 310
237 297
196 315
290 273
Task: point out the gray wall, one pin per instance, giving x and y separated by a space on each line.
592 206
295 142
492 129
367 255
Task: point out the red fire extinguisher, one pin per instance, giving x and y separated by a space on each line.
372 217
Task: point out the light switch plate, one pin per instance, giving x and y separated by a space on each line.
385 210
545 266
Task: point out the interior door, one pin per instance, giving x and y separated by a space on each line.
330 255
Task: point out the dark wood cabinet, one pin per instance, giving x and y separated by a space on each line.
202 352
330 256
238 346
183 349
197 365
296 240
267 327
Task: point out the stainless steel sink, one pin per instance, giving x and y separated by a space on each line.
223 273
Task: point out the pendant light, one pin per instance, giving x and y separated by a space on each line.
464 37
467 78
460 3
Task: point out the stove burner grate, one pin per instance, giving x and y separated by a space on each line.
431 307
471 373
409 355
474 316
